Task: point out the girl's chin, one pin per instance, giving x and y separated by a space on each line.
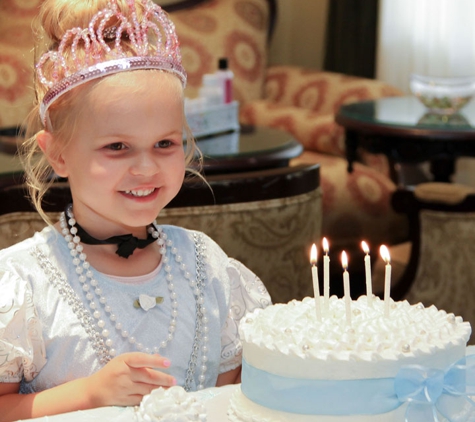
142 218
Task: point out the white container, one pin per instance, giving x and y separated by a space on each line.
212 89
210 120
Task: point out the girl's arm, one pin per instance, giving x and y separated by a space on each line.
122 382
230 377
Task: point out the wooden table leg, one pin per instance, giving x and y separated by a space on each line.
351 145
442 169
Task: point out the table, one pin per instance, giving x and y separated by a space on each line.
215 400
251 148
401 128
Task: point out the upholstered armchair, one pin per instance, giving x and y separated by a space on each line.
440 269
356 206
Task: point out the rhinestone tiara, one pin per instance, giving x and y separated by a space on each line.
153 45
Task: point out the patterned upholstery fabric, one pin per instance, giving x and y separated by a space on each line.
18 226
304 102
356 206
270 237
236 29
16 60
446 266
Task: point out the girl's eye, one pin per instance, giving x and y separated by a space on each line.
116 146
165 143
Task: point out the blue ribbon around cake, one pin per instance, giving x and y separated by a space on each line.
427 391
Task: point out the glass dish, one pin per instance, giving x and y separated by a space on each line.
443 95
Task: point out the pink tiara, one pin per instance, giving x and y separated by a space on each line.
154 43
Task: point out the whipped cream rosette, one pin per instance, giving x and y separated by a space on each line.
170 405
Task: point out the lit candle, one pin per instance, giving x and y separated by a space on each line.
346 287
326 273
316 287
383 250
367 265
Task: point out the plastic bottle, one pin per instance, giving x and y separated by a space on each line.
226 77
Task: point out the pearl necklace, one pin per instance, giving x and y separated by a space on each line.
89 283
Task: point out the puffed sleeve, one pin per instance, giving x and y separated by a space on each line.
22 349
247 293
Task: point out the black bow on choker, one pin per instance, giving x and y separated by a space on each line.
127 242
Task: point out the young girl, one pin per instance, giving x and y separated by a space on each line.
104 306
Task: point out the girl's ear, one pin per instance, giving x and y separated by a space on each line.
47 144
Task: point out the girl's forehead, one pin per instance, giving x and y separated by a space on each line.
135 98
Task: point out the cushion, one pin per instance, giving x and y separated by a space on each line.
356 206
271 237
445 193
317 132
319 91
16 60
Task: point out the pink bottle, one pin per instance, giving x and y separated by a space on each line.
226 76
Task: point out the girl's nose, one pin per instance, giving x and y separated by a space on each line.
144 165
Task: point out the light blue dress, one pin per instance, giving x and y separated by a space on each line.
48 334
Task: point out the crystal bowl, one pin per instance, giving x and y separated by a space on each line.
443 95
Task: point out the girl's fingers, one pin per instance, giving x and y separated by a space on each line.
144 360
140 390
145 369
152 377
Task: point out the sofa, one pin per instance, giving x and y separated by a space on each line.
356 205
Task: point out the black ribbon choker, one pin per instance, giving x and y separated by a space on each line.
127 242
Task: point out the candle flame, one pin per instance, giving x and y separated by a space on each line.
344 260
313 254
365 247
383 250
325 245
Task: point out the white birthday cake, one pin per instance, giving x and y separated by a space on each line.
298 368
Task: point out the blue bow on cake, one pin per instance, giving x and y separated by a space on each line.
431 391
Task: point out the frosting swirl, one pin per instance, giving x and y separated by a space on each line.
170 405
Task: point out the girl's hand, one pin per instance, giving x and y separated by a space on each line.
127 378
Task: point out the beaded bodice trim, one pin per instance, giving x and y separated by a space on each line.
59 281
200 282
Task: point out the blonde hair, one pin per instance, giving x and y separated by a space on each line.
55 18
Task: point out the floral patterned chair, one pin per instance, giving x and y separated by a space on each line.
356 206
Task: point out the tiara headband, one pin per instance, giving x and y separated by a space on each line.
154 42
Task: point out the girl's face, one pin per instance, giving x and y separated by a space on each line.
126 160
